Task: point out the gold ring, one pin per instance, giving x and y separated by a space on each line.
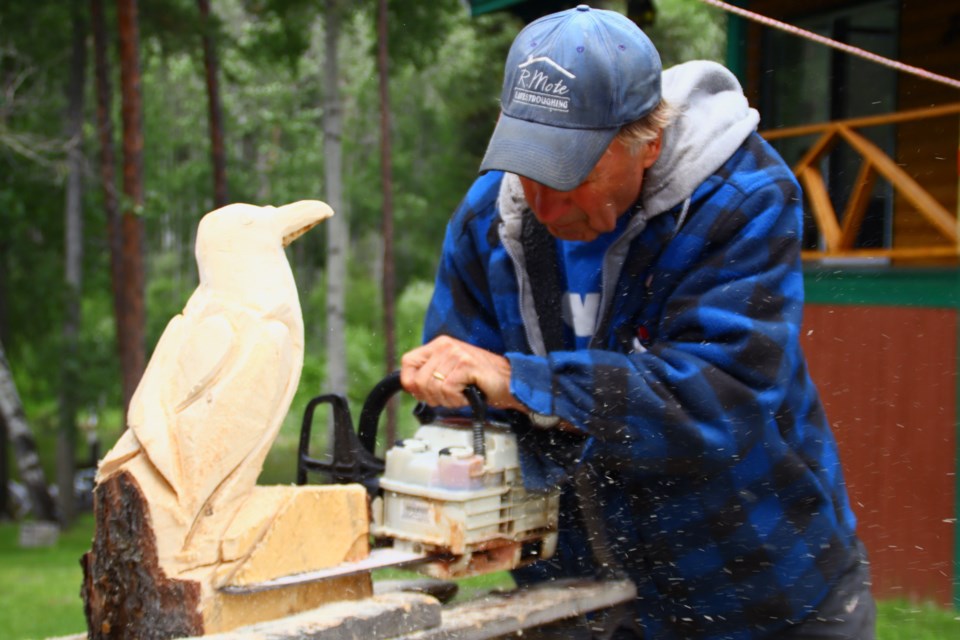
439 376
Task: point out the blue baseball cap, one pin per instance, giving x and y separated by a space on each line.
572 79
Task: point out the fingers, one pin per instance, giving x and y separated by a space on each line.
428 373
438 372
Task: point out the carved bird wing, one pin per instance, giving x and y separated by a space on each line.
232 428
201 359
185 362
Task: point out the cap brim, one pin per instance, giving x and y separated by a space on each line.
557 157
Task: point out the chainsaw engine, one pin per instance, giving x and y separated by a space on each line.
440 497
452 493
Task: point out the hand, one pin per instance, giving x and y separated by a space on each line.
439 371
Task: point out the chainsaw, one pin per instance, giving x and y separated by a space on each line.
449 501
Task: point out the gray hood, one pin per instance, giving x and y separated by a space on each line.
713 120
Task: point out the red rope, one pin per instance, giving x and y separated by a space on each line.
803 33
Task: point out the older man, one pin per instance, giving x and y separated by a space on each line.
624 282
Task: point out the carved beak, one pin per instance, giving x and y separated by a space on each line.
297 218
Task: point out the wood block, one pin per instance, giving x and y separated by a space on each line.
311 528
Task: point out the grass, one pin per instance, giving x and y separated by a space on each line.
40 593
40 587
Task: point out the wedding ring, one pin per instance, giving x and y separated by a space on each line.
439 376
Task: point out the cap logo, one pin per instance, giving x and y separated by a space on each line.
540 88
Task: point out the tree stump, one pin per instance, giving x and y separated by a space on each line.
125 592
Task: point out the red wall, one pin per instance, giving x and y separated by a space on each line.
887 377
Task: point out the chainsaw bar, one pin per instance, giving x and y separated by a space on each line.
378 559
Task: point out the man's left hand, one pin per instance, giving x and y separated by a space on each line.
439 371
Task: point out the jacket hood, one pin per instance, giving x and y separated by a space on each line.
713 119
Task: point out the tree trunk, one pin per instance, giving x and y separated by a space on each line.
108 167
73 275
5 509
133 316
214 109
338 231
24 446
386 178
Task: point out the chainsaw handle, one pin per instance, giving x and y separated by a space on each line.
373 406
381 393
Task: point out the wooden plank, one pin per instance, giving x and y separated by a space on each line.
823 211
823 145
497 615
385 616
857 205
906 253
867 121
414 616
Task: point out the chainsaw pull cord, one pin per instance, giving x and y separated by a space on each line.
479 406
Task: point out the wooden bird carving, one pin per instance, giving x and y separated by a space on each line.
220 380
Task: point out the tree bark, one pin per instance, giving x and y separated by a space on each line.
5 509
133 316
126 595
211 67
338 231
386 179
24 445
73 274
108 166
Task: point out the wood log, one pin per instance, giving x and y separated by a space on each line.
125 592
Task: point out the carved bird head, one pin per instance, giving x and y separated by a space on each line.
246 227
240 246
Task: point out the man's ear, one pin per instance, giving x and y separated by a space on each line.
651 151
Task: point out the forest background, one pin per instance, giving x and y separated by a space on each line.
59 318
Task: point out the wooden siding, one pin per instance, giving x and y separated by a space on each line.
888 380
929 38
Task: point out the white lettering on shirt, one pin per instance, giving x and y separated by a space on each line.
580 313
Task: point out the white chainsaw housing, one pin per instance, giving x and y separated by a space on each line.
440 498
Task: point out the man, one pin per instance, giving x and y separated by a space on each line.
624 281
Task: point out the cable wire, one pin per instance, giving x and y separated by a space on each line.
856 51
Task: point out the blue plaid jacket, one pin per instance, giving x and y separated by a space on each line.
720 482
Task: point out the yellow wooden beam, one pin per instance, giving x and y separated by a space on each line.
867 121
823 211
856 208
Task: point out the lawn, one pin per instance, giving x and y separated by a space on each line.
40 593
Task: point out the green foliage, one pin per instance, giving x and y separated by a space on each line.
416 30
280 29
688 30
